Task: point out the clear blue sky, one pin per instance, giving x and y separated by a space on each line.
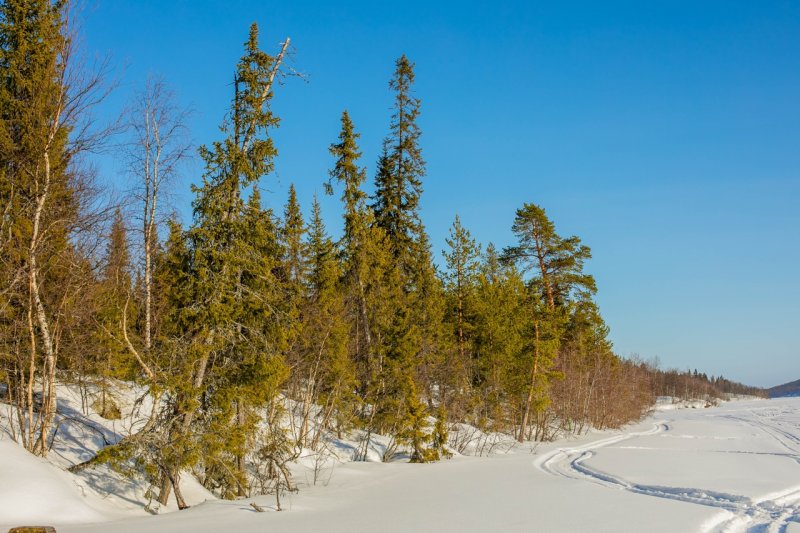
665 134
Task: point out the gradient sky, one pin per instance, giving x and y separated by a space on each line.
665 134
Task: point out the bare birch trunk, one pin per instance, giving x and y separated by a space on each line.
42 323
532 386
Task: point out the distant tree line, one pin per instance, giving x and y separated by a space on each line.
689 385
248 315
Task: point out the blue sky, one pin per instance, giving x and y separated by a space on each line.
665 134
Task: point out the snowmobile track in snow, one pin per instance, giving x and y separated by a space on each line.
770 514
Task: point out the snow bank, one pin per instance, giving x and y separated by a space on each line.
735 467
33 490
38 490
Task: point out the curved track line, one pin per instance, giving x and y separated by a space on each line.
771 513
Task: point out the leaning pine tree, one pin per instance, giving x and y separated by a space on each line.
557 267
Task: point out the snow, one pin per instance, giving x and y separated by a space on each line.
735 467
37 490
33 488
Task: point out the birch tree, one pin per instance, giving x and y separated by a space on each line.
158 146
46 96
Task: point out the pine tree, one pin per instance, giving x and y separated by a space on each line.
500 322
557 264
556 261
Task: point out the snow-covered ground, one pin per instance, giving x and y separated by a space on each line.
735 467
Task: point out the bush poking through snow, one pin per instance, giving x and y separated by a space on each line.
106 407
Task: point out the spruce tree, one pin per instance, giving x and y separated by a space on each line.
231 356
460 278
330 371
398 183
293 273
415 343
113 300
362 250
414 430
293 231
351 176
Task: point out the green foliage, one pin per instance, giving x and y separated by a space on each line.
113 299
398 183
330 370
556 261
439 436
501 322
414 428
460 282
347 172
228 334
362 332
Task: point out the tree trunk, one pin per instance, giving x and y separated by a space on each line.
532 386
240 458
167 476
49 377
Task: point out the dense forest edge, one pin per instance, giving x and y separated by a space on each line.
248 315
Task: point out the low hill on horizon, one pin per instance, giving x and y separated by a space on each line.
787 389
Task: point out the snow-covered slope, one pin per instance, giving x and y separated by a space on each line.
32 487
37 490
730 468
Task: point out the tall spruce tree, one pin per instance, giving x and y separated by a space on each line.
293 272
414 341
370 280
361 247
230 358
398 183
